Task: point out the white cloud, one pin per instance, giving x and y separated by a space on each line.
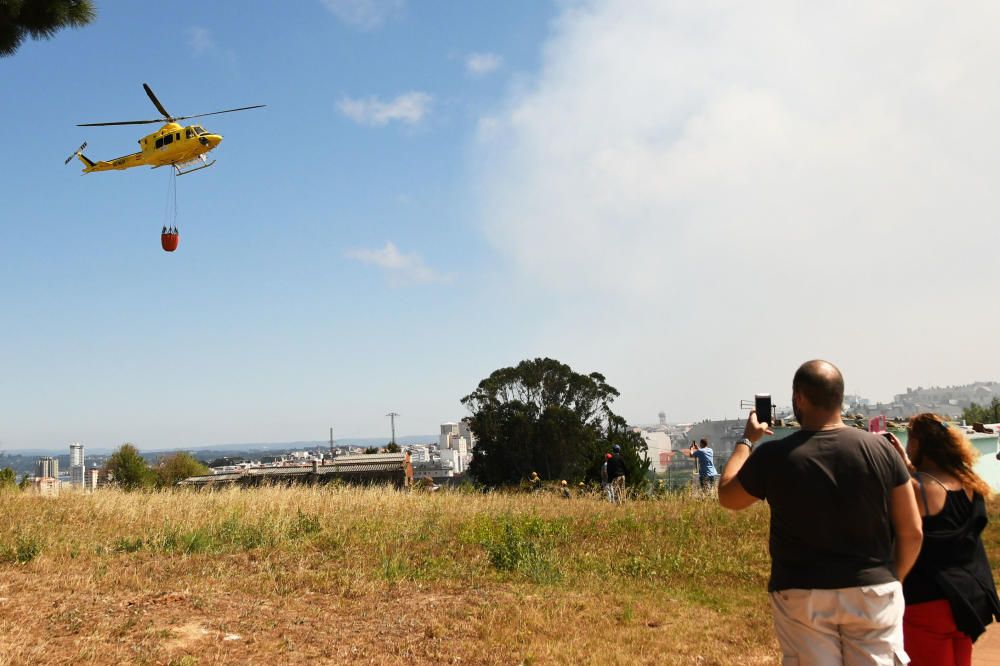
399 269
409 108
725 190
365 14
481 64
200 40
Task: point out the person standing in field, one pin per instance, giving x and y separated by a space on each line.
706 464
605 483
616 474
845 529
950 594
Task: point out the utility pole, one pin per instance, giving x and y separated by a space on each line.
392 416
331 442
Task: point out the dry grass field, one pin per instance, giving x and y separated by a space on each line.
337 575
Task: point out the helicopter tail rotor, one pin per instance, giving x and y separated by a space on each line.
75 153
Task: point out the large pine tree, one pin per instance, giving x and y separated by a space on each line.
39 19
540 416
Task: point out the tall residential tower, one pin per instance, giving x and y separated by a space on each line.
76 467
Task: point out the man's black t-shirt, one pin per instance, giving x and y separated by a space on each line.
616 466
829 493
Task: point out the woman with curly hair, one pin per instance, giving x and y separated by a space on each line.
950 595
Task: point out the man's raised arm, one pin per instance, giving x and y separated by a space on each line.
732 494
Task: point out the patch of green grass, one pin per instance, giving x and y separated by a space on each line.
128 544
523 544
234 533
25 548
185 542
304 525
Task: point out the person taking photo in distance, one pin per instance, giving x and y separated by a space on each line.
950 595
706 463
844 527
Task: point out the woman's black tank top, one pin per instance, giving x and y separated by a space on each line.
936 553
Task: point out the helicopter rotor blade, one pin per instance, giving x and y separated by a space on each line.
123 122
75 153
156 102
215 113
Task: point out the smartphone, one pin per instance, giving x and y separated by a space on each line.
762 403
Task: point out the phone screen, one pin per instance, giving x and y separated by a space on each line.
762 403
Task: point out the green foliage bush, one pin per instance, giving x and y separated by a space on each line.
25 548
523 544
128 469
982 413
304 525
8 479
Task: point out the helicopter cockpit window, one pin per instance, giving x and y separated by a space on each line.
159 143
168 139
188 133
198 130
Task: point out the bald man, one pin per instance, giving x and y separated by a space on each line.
844 530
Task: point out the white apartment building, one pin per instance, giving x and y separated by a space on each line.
76 466
453 447
91 479
75 454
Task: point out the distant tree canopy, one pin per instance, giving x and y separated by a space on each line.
8 479
177 467
39 19
982 413
540 416
392 447
226 461
128 469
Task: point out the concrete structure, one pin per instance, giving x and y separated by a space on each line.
465 431
47 467
454 448
391 468
452 457
47 486
657 448
91 479
76 466
420 454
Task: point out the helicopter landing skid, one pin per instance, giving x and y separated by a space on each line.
179 168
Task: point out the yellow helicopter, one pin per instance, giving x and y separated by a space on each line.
183 148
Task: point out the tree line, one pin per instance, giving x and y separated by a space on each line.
982 413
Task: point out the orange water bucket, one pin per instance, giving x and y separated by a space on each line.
169 241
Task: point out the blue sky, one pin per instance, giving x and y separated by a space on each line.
438 189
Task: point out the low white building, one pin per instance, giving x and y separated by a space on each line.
454 447
420 454
657 448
